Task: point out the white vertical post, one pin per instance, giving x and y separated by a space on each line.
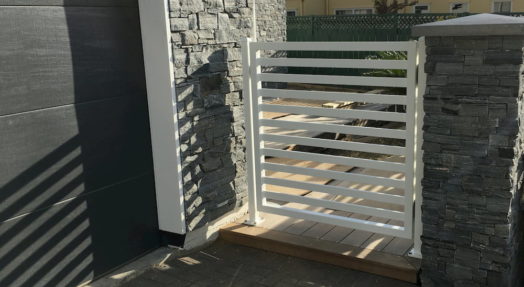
419 164
250 144
256 85
161 97
411 75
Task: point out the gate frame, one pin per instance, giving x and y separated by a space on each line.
415 70
419 140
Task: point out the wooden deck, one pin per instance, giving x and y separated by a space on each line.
357 249
296 236
337 234
333 233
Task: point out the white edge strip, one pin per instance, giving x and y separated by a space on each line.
348 176
333 80
335 205
348 222
335 113
342 160
336 190
334 63
333 96
334 144
161 95
332 46
335 128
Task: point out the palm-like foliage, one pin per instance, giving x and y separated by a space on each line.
397 73
390 7
388 55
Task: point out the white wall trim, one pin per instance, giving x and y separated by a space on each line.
161 96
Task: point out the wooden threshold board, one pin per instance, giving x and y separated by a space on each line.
366 260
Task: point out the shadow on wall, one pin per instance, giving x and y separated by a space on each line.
76 184
211 135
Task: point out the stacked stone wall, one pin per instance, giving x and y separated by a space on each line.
206 36
472 181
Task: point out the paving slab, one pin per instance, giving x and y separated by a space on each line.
226 264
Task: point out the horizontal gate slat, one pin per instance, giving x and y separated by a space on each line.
335 190
335 113
342 160
333 96
334 63
334 80
343 145
347 222
333 46
374 180
354 208
334 128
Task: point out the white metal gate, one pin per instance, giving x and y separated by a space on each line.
258 98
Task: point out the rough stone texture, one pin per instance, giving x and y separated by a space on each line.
206 37
472 161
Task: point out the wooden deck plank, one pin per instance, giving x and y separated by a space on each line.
300 227
300 177
398 246
273 115
357 258
318 230
275 222
371 188
377 241
338 233
358 237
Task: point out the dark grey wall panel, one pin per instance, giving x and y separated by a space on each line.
79 239
53 56
77 195
53 154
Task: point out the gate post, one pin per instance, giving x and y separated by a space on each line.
473 151
418 162
247 96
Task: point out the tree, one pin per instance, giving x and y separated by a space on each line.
389 7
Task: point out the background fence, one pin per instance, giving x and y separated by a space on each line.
392 27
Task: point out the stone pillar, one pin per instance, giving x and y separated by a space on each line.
472 151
